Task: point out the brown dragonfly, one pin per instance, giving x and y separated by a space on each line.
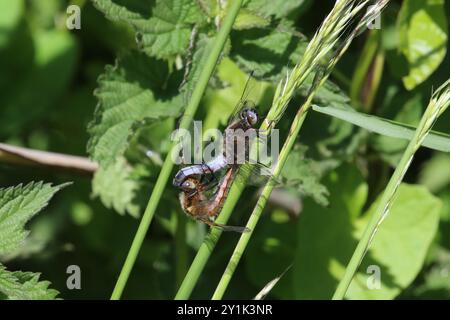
197 204
243 118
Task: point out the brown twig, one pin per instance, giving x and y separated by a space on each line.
25 156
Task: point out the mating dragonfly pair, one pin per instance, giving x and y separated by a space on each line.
202 195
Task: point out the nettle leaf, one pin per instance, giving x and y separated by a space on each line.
24 286
276 8
129 96
305 175
246 19
202 48
398 249
267 51
422 27
117 188
169 29
18 205
210 7
163 26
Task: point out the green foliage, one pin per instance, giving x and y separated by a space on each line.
11 12
422 38
305 175
202 48
278 8
116 187
435 140
398 250
267 51
24 286
18 205
154 52
32 93
166 32
129 98
435 173
401 244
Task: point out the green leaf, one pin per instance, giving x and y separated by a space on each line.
434 140
276 8
116 187
24 286
247 19
267 51
32 93
41 14
399 248
163 26
202 48
401 244
10 15
18 205
422 27
404 109
305 175
130 96
324 235
435 173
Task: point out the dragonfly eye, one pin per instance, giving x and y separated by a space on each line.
252 116
188 185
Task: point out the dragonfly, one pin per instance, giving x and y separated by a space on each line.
244 117
198 205
202 195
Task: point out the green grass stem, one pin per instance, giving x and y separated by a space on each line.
167 167
323 42
438 104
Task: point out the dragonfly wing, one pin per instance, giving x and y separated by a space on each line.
243 101
258 175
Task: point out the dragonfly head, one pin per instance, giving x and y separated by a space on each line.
250 114
189 185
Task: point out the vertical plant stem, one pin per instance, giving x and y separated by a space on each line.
167 167
323 42
295 129
368 72
435 108
208 244
181 250
256 214
375 220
